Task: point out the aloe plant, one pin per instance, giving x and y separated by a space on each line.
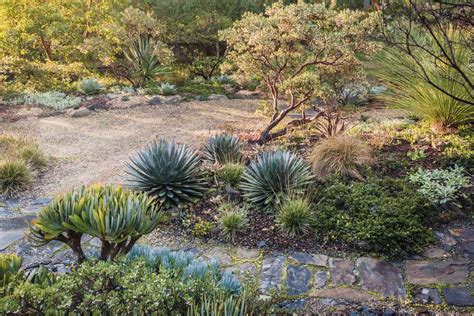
167 171
10 265
223 149
273 176
116 216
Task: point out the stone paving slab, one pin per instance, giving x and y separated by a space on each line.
345 293
308 258
466 234
9 237
297 280
271 276
459 296
342 271
451 271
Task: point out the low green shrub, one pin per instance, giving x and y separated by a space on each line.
89 86
232 220
20 148
295 217
201 89
117 217
440 186
274 176
222 149
52 99
230 174
384 216
167 171
15 175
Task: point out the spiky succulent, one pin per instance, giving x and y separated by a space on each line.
223 149
168 171
116 216
10 265
273 176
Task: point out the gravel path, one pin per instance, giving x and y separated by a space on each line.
95 148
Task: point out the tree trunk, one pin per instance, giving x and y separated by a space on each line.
46 47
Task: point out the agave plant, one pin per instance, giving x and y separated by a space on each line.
167 89
273 176
89 86
10 265
223 149
145 60
116 216
167 171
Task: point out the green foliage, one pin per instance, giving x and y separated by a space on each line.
221 306
222 79
53 99
202 228
10 265
15 175
167 89
440 186
408 89
273 176
89 86
295 217
117 217
383 216
146 57
230 174
232 220
416 154
167 171
341 155
223 149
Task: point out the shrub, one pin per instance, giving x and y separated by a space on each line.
89 86
232 219
117 217
33 156
342 155
273 176
167 171
436 101
295 217
167 89
53 99
383 216
222 149
222 79
10 265
331 124
19 148
230 173
440 186
15 175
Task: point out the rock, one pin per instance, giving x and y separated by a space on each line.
9 237
11 203
271 276
435 252
217 97
293 304
307 258
242 270
246 94
246 253
466 234
41 201
155 101
261 244
81 113
459 296
467 248
342 271
446 240
328 302
429 296
389 312
381 277
16 223
451 271
297 280
345 293
175 99
98 105
320 279
219 255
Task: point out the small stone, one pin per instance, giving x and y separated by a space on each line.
342 272
320 279
297 280
155 101
389 312
246 253
446 240
466 234
261 244
429 296
11 203
451 271
271 276
99 105
216 97
458 296
381 277
175 99
435 252
307 258
81 113
293 304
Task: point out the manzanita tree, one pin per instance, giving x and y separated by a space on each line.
297 50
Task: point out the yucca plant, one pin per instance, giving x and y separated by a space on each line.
295 217
167 171
270 178
410 91
10 265
15 175
223 149
116 216
342 155
145 59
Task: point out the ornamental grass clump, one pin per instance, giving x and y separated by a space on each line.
117 217
15 175
341 155
273 176
230 174
295 217
167 171
223 149
232 220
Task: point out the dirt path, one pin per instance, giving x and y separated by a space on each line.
95 148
